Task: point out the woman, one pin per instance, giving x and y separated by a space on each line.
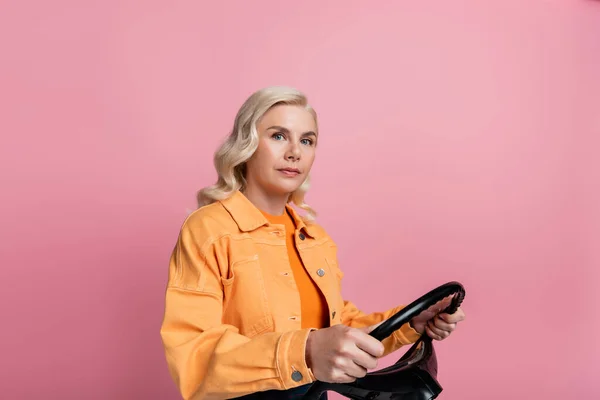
253 300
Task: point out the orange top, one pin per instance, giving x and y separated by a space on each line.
313 306
233 322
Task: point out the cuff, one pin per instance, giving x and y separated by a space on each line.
291 359
406 334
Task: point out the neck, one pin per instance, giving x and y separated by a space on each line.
271 204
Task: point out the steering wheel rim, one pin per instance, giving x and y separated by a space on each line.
400 318
421 304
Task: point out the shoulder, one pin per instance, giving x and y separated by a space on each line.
208 223
318 231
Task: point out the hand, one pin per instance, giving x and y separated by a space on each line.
438 325
341 354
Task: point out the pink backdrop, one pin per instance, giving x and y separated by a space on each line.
458 143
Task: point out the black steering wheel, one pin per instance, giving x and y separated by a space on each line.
414 375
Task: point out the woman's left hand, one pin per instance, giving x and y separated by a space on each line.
438 325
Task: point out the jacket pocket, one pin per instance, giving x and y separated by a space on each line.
245 301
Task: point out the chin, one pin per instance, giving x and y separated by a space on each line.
286 188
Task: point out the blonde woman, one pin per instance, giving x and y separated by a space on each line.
253 303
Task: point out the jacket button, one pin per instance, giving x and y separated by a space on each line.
320 272
296 376
302 237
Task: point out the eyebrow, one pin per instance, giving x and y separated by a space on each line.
281 128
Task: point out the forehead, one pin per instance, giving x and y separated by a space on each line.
294 118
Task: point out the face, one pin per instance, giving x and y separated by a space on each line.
285 153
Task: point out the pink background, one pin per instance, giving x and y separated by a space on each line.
459 142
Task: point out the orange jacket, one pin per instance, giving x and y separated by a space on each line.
232 312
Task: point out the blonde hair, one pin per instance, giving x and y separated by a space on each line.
230 158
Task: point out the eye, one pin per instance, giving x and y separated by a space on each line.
308 142
278 136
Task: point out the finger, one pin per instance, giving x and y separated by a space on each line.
365 360
458 316
436 310
443 325
445 302
441 305
342 377
347 379
366 353
369 344
432 334
436 330
437 333
355 370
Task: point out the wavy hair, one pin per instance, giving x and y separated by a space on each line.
230 158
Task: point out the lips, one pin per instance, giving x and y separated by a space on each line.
289 171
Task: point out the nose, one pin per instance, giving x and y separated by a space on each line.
293 152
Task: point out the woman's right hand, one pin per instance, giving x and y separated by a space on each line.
341 354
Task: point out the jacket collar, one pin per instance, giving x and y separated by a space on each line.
248 217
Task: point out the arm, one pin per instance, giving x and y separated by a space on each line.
352 316
209 359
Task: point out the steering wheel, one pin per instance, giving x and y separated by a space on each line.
414 375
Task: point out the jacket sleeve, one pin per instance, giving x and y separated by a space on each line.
208 359
352 316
